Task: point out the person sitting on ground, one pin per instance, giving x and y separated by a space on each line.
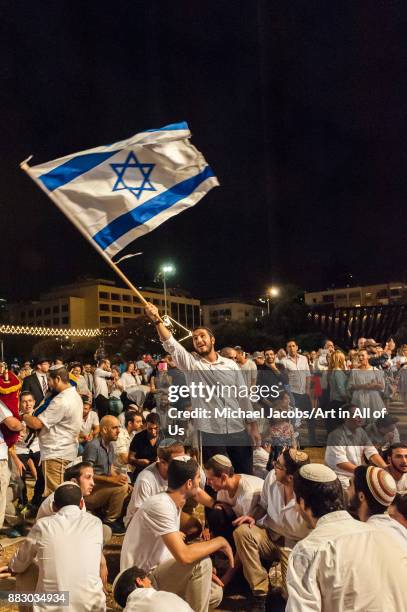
272 528
134 592
396 457
327 570
261 457
383 432
111 488
143 447
153 479
132 423
372 492
154 541
398 509
90 424
349 445
236 495
68 549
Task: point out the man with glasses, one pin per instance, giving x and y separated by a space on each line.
272 529
111 487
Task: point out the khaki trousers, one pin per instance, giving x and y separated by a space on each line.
253 544
109 498
192 582
53 470
4 482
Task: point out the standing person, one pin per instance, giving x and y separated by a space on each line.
299 377
111 487
68 548
81 384
88 376
248 367
396 457
143 447
155 542
13 424
100 377
366 384
37 382
223 435
372 492
58 427
338 387
328 570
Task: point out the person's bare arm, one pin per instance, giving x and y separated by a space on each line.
32 421
195 552
347 466
133 460
13 423
154 316
378 461
203 498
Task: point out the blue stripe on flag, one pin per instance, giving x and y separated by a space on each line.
67 172
173 126
140 215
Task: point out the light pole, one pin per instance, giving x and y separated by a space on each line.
166 269
271 292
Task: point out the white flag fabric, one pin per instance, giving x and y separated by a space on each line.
119 192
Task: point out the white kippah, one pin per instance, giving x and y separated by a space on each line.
66 482
381 485
56 367
317 472
222 460
183 458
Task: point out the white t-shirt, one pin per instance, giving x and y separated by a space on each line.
46 508
392 527
99 379
148 600
247 495
62 423
401 484
92 420
4 413
143 544
149 482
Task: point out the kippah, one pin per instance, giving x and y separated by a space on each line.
183 458
381 485
67 482
317 472
222 460
168 442
56 367
297 456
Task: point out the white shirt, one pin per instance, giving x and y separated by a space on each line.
344 445
260 460
22 447
401 484
298 371
4 413
148 483
68 548
46 508
150 600
390 526
222 373
91 421
122 446
247 495
62 421
281 519
143 544
128 380
99 381
345 565
249 370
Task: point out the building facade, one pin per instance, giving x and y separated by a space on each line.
98 303
368 295
218 312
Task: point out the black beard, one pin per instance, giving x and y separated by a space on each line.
203 352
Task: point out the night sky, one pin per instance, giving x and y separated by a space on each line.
299 107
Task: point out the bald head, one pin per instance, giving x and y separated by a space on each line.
109 428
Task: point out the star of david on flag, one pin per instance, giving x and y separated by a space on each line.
116 193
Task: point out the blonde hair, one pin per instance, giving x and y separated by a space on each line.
337 361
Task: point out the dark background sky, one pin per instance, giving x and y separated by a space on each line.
299 107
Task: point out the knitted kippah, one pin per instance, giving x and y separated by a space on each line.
381 485
297 456
222 460
317 472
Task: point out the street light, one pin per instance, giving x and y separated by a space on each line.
271 292
166 269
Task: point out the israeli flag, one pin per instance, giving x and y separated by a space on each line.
116 193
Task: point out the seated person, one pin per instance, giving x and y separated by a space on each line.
349 446
134 592
90 424
154 540
236 495
132 425
143 447
261 457
398 509
383 432
111 488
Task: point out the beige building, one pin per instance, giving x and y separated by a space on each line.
98 303
218 312
367 295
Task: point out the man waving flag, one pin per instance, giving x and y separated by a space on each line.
114 194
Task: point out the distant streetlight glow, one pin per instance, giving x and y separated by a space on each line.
274 291
166 269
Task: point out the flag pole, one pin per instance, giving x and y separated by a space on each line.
24 166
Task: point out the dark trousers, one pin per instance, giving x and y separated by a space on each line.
303 402
102 406
220 522
39 483
236 446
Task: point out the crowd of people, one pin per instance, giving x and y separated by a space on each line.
198 500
